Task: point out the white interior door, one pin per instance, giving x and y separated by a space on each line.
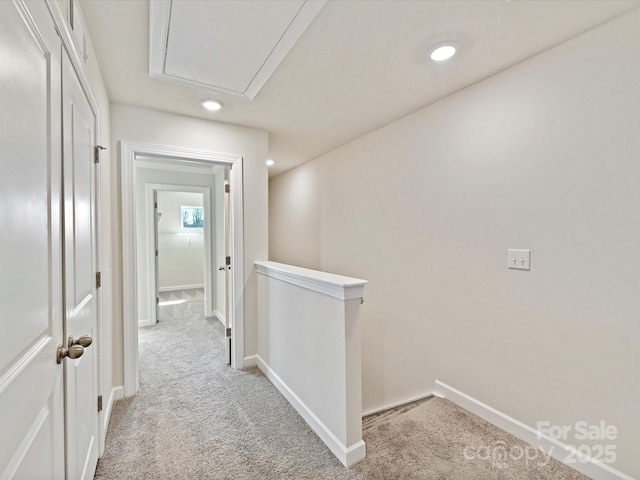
80 260
31 382
227 277
156 260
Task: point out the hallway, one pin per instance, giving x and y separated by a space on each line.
194 417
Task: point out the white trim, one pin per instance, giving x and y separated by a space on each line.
27 442
160 16
209 279
292 34
398 404
558 450
128 152
158 164
19 365
223 320
117 393
181 287
344 288
129 275
251 361
77 59
146 322
348 456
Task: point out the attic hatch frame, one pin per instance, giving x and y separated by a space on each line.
159 24
129 152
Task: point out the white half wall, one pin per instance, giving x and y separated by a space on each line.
309 346
542 156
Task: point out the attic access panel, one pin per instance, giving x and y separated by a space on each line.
231 47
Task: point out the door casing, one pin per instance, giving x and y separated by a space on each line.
129 152
209 286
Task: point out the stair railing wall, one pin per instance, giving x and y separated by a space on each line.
309 346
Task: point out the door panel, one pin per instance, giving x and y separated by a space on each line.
156 260
79 272
31 311
227 272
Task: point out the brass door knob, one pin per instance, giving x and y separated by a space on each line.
75 351
84 341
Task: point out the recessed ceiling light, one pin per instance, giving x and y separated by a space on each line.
212 105
444 51
270 162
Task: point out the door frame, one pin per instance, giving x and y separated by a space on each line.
207 233
129 151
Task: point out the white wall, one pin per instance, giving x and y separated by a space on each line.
161 128
170 204
180 252
145 176
542 156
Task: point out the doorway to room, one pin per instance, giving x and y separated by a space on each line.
150 172
183 236
179 243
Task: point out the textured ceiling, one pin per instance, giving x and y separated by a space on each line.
359 65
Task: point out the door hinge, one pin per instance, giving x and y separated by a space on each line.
156 253
227 188
227 261
98 280
228 331
96 153
99 403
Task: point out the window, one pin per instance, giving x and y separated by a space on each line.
192 217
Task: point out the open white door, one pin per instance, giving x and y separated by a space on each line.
80 279
156 261
227 277
31 382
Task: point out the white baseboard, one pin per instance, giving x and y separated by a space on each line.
348 456
145 322
220 317
117 393
251 361
560 451
397 404
181 287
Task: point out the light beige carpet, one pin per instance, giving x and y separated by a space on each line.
195 418
439 440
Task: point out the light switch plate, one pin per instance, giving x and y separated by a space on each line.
519 259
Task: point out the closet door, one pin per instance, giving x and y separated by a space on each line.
80 287
31 311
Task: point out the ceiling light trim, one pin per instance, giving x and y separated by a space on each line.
211 104
160 15
449 44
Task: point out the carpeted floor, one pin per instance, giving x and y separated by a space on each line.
196 418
